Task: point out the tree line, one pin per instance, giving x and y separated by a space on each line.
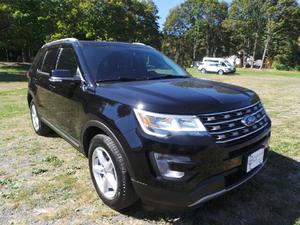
251 29
26 25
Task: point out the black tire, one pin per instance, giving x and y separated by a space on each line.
203 71
125 195
42 128
220 72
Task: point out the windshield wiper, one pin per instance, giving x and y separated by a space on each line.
167 77
120 79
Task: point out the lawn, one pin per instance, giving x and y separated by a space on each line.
46 181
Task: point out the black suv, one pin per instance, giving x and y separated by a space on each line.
149 129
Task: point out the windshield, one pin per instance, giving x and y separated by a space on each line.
227 63
129 63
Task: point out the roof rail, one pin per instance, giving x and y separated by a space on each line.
138 43
71 40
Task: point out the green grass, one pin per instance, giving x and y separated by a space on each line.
257 72
49 180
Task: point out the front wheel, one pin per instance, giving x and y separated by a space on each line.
109 173
39 127
203 71
220 72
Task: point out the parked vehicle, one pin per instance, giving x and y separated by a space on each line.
196 64
150 130
216 65
257 63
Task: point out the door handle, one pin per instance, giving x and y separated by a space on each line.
54 79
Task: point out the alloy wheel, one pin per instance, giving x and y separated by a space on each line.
104 172
35 118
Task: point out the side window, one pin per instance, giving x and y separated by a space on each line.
67 61
49 60
38 59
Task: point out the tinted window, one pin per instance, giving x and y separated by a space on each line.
212 61
213 64
49 60
67 60
38 59
113 62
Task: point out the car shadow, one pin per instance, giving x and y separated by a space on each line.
13 72
272 197
10 77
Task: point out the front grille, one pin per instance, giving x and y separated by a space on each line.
227 127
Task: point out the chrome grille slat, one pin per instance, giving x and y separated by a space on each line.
233 139
223 122
228 127
227 131
234 110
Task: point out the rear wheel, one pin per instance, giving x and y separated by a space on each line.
109 173
220 72
203 71
39 127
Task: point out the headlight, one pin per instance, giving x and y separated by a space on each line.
162 125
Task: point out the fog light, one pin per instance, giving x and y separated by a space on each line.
162 162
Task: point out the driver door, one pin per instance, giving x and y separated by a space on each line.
66 92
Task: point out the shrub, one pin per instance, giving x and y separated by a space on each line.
297 68
280 66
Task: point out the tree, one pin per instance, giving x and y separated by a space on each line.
29 24
131 21
196 24
283 29
246 21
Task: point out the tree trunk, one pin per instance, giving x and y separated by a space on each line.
265 50
7 55
241 59
194 50
177 52
23 55
215 52
254 50
266 44
207 43
29 54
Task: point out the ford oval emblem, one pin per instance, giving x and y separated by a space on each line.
249 120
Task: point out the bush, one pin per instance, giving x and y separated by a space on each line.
297 68
280 66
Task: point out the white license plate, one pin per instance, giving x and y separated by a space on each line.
255 159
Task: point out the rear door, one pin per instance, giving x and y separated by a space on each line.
43 93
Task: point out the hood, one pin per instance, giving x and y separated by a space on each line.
185 96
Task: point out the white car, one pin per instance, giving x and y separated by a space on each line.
216 65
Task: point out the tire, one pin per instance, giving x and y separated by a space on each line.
220 72
203 71
38 126
118 194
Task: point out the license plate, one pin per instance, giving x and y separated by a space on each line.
255 159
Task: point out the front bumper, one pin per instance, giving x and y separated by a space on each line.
212 170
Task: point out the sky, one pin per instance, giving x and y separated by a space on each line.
164 6
163 9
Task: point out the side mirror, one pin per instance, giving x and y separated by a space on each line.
61 73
